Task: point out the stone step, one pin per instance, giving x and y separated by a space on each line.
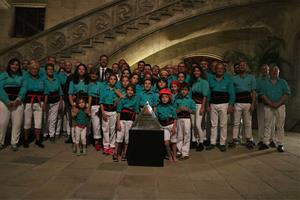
109 35
121 30
98 39
155 16
87 43
132 26
144 21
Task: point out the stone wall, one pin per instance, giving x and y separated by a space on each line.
57 11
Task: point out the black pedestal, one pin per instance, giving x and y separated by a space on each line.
146 148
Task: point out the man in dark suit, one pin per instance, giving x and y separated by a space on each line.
103 61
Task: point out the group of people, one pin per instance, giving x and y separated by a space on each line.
192 103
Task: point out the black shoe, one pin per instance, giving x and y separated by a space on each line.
222 148
233 143
263 147
45 137
206 143
184 158
26 144
39 144
210 147
52 140
178 155
280 148
124 158
260 143
69 140
115 158
200 147
272 144
249 144
193 145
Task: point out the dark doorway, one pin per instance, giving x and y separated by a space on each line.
28 21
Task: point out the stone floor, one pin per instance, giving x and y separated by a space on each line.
56 173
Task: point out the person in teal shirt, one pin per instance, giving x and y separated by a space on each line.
222 98
127 109
81 116
32 93
124 82
200 92
11 106
147 95
78 88
275 94
134 80
183 69
79 84
166 115
245 86
94 92
108 99
65 113
260 82
185 107
53 101
174 86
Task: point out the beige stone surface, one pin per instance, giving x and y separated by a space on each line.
236 174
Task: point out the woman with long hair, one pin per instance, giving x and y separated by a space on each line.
200 92
11 106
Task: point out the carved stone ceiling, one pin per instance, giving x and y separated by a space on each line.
4 5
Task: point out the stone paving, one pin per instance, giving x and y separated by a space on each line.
56 173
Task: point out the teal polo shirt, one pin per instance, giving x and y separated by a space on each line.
108 95
94 89
82 118
200 86
53 86
131 103
9 81
245 83
260 82
223 85
274 92
81 86
185 102
165 111
149 96
32 84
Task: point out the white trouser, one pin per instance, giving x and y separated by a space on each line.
36 110
124 133
196 123
183 135
218 111
95 121
80 134
52 118
168 134
279 114
109 130
242 110
261 122
16 115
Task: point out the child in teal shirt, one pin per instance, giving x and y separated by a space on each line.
126 109
81 116
166 114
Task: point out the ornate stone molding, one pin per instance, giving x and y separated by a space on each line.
119 16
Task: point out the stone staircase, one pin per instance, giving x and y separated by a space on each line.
111 28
